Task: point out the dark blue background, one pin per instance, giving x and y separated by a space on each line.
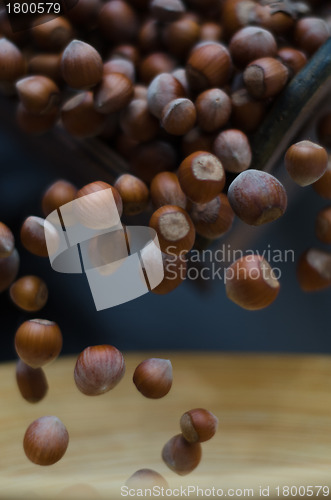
188 318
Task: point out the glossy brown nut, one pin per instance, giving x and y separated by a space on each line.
175 269
213 219
201 176
292 58
166 190
323 185
34 124
174 228
47 65
7 241
306 162
38 94
57 194
29 293
153 157
247 112
323 225
46 440
198 425
79 117
232 148
155 64
213 109
51 33
12 62
137 122
167 10
81 65
120 65
197 140
211 32
250 43
310 33
324 130
113 94
134 194
180 36
163 89
257 197
314 270
265 77
118 21
153 377
38 342
32 382
208 66
8 270
127 51
178 116
251 283
146 478
33 236
99 369
236 14
181 456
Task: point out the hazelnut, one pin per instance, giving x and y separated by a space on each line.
251 43
310 33
137 122
146 478
197 140
46 440
278 21
180 36
52 33
181 456
12 62
167 10
149 159
178 116
8 269
120 65
38 342
174 228
33 235
99 369
128 52
81 65
208 66
213 219
324 130
257 197
213 109
96 212
31 123
265 77
47 65
251 283
306 162
163 89
32 382
232 148
79 117
323 185
247 112
57 194
201 176
7 241
236 14
314 270
323 225
211 32
113 94
175 269
149 36
294 59
153 377
134 194
155 64
38 94
118 21
198 425
29 293
166 190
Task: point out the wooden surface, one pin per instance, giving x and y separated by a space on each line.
275 426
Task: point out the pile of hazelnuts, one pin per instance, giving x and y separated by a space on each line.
176 88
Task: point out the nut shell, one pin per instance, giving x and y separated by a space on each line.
314 270
198 425
32 382
181 456
46 440
8 269
153 377
306 162
81 65
99 369
174 228
29 293
7 241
